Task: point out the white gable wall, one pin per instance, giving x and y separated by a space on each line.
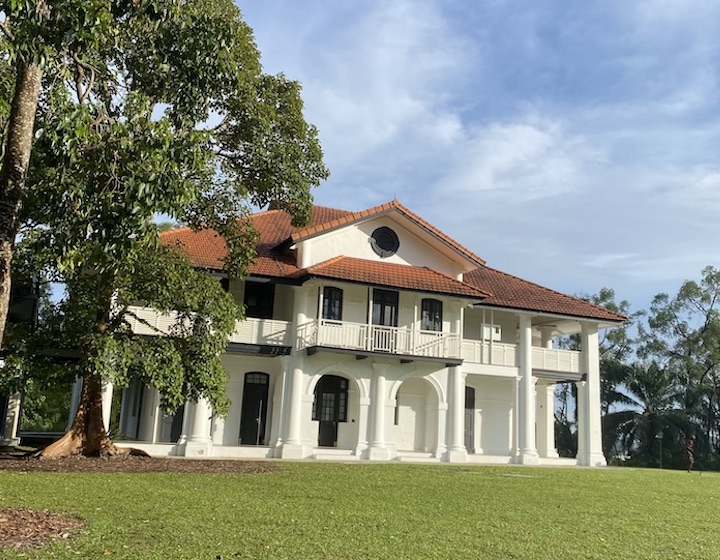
354 241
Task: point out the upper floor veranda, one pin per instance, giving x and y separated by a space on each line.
365 320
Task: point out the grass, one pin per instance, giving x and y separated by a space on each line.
339 511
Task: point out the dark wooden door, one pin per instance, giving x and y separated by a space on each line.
384 314
330 408
254 409
470 419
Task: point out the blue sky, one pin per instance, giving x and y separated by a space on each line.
574 144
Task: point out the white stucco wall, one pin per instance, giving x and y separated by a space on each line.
354 241
494 402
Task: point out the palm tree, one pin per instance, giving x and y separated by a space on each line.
653 420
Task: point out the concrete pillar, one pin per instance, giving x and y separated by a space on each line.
590 423
199 443
378 450
457 453
581 423
75 396
11 421
107 396
545 409
361 450
528 450
292 447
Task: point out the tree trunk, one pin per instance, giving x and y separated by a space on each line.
87 435
18 146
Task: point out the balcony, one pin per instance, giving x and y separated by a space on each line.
362 337
258 332
503 354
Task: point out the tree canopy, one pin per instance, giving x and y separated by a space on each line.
144 108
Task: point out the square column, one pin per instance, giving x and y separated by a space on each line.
528 451
457 453
545 408
589 422
11 421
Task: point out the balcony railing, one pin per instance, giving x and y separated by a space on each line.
503 354
369 338
147 321
378 338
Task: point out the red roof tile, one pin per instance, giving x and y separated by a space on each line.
514 293
417 279
207 249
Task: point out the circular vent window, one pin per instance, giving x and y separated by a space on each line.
384 241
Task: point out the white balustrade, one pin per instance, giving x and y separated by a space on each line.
503 354
148 321
373 338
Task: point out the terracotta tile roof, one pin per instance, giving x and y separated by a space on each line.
352 217
207 249
513 292
390 275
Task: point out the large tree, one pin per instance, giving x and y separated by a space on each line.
683 335
145 109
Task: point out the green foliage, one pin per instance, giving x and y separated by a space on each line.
341 511
146 108
45 406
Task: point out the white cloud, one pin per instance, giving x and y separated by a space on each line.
528 159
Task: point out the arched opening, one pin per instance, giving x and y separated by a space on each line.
330 408
416 416
253 416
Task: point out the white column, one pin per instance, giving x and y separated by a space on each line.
107 396
11 421
279 401
75 396
545 404
378 450
456 449
441 450
581 413
528 451
361 450
198 441
292 447
590 423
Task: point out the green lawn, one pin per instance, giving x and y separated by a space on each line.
337 511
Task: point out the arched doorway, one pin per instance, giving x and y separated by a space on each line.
330 408
253 417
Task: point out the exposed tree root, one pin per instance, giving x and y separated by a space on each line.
87 435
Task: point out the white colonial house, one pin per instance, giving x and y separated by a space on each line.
374 336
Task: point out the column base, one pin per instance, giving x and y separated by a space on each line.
456 455
550 454
378 453
528 458
292 451
197 449
12 442
594 460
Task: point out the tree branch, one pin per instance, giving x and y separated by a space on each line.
80 69
6 30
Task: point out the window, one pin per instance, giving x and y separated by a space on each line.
384 242
431 317
259 299
491 332
332 303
